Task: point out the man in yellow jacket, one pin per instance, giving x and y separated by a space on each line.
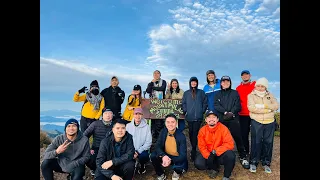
92 106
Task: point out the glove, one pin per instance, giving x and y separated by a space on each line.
82 90
260 106
228 116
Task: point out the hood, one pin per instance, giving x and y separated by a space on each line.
193 79
142 123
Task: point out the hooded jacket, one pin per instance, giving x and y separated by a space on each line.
194 108
77 153
210 92
227 100
106 153
141 134
113 98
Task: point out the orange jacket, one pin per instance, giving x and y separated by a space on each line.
218 138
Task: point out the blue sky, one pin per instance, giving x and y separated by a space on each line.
85 40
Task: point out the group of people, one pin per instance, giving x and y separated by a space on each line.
121 142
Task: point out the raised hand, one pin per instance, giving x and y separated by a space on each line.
63 147
82 90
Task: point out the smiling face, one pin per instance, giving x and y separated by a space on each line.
260 88
71 129
212 120
119 130
171 123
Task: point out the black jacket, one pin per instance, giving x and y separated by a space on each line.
113 98
227 100
106 153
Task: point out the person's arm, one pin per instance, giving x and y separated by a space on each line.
149 87
102 157
182 150
120 94
127 156
82 160
204 102
147 143
78 98
217 104
184 103
101 108
89 131
227 142
252 106
159 145
274 105
236 108
180 94
202 144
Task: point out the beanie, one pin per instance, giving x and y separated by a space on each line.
94 83
262 81
71 121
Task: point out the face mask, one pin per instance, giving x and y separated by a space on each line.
95 91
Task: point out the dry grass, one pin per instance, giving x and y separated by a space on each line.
193 174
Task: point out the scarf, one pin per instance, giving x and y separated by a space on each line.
154 92
107 123
261 94
94 99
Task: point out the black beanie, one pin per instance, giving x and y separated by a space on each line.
94 83
71 121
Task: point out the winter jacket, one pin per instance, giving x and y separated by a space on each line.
77 153
174 94
132 102
99 131
88 108
113 98
194 108
217 138
141 134
264 115
151 88
244 90
210 92
106 153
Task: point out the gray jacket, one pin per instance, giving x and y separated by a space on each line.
141 134
77 153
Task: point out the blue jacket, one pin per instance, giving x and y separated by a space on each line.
210 92
194 108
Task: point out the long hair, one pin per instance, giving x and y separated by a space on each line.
171 88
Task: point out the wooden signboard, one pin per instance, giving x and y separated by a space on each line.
158 109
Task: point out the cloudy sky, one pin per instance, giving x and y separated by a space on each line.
81 41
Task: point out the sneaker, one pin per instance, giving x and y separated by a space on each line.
142 169
175 176
244 162
92 172
225 178
253 168
212 173
162 177
267 169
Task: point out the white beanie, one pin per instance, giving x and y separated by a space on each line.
262 81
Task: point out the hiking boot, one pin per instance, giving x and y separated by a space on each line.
142 169
253 168
225 178
267 169
244 162
212 173
162 177
92 172
175 176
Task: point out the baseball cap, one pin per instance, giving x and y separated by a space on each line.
225 78
137 87
137 110
208 112
245 71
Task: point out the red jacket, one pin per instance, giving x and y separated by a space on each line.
218 138
244 90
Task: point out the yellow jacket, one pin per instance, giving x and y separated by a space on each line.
87 109
132 102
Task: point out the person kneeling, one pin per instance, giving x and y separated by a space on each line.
115 156
171 149
216 145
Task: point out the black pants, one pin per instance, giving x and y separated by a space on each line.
116 114
262 136
92 161
234 127
85 123
227 159
124 170
50 165
157 164
156 127
194 127
245 129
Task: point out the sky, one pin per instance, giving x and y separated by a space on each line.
82 41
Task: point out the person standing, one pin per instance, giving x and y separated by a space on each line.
211 88
244 89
